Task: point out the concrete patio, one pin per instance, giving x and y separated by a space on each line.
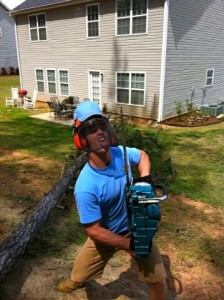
51 118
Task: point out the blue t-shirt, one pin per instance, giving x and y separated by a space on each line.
100 193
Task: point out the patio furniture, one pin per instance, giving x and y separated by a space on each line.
30 103
59 110
14 99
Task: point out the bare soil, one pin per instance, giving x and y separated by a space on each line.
186 121
24 180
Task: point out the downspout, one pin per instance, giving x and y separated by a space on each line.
18 56
163 60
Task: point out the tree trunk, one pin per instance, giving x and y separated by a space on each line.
15 245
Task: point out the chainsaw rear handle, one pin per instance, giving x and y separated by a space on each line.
164 189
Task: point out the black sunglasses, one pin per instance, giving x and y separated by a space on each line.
92 125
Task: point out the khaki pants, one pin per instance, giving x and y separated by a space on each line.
93 257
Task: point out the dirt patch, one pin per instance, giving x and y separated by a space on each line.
36 278
187 121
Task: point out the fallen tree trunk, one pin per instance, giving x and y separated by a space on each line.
15 245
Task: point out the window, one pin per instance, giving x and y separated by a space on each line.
209 77
40 80
0 32
131 17
63 82
51 81
92 12
131 88
38 27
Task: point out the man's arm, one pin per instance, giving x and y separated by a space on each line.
144 165
106 237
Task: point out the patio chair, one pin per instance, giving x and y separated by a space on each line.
14 99
30 103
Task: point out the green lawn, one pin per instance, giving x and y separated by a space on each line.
196 153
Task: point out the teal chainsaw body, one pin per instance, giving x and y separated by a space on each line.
144 215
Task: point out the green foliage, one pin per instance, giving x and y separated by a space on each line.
154 142
179 109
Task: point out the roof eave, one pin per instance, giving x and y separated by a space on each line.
46 7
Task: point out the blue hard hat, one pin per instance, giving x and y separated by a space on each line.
86 109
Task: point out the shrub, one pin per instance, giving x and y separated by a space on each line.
3 71
11 71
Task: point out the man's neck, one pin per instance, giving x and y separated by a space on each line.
99 160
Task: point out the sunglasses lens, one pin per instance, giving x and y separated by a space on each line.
92 127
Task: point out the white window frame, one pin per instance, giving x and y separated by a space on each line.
38 80
131 17
49 81
89 22
37 27
130 88
60 82
208 78
1 33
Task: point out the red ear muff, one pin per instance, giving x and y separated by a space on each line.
79 142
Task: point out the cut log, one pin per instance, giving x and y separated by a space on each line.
15 245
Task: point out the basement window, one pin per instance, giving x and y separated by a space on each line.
40 80
209 77
131 88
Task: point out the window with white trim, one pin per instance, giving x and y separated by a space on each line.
40 80
131 16
131 88
63 82
92 17
209 77
51 81
0 32
37 24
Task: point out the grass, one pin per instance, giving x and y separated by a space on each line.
195 154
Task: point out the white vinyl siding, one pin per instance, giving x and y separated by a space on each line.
51 81
63 82
194 45
37 25
40 80
68 48
209 77
92 20
131 88
131 17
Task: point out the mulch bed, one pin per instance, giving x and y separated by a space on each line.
183 121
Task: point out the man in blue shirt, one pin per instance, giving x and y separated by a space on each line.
101 203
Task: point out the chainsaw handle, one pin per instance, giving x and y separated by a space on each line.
164 189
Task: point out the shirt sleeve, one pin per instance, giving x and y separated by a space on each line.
134 156
88 207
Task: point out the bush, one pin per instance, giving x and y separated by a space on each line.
3 71
11 71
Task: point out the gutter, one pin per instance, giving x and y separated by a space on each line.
163 60
18 55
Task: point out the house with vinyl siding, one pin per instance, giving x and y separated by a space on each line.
146 55
8 53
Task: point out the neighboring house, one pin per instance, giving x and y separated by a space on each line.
8 53
146 55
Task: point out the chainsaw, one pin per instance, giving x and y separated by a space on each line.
142 207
